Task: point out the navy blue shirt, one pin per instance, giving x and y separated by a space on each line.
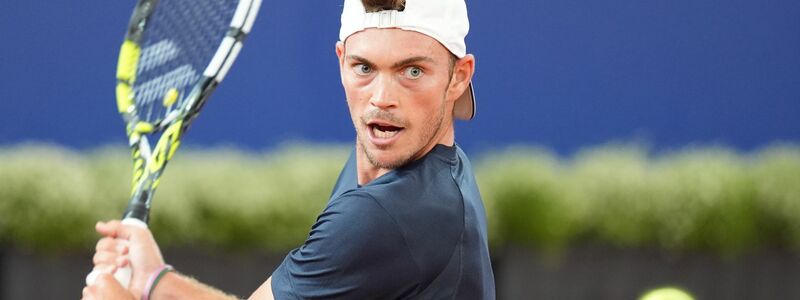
417 232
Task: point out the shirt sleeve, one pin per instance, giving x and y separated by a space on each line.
355 250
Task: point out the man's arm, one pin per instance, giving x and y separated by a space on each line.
172 286
178 286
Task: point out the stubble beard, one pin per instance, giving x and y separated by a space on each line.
430 130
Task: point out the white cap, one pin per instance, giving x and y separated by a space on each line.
444 20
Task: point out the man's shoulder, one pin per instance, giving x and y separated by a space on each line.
425 204
430 175
420 192
422 189
422 199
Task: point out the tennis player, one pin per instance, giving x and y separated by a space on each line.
405 219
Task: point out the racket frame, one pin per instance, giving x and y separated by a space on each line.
149 164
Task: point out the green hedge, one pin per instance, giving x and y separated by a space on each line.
694 199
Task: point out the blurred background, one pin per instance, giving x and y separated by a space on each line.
620 146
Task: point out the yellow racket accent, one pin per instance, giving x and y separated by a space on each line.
138 169
143 127
173 149
128 59
170 97
126 74
135 153
166 147
124 97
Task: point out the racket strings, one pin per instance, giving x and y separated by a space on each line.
181 38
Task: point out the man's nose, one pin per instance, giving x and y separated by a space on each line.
383 95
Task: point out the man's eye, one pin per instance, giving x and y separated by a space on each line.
413 72
362 69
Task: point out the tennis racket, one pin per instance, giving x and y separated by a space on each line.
174 55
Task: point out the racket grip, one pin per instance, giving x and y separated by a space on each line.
124 274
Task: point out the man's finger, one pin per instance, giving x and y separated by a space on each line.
105 269
123 261
112 245
105 258
118 229
106 244
109 229
86 294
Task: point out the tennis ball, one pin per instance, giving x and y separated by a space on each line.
667 293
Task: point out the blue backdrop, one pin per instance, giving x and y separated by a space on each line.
560 73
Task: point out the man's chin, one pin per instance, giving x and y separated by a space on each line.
384 160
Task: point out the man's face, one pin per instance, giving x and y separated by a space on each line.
396 83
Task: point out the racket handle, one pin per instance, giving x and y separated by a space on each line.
124 274
139 208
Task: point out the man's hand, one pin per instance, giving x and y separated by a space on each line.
106 287
126 245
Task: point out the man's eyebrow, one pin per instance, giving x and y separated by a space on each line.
412 60
360 59
398 64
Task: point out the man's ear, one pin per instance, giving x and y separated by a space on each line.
462 75
340 53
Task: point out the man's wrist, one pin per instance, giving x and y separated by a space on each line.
154 279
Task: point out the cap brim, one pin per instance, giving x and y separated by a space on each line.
464 108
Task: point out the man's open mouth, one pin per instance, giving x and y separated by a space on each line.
384 131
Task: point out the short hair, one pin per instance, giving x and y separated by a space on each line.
381 5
